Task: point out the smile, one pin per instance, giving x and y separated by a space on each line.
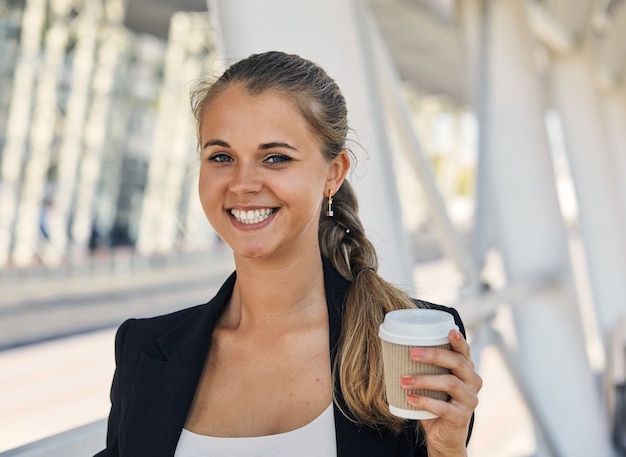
251 216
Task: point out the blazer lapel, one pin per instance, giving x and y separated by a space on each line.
166 380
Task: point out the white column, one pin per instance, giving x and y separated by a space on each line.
110 42
550 355
175 138
199 236
42 129
33 19
152 237
326 32
613 103
73 135
602 227
118 118
476 39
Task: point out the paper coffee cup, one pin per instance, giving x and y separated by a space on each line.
401 331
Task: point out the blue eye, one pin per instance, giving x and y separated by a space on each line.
277 158
220 158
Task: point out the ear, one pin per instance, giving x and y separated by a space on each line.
337 171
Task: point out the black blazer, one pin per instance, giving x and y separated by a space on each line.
159 362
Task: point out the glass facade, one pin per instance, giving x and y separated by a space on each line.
95 129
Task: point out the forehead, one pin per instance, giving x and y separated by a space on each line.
245 121
237 94
235 107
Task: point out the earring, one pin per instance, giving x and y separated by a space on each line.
329 211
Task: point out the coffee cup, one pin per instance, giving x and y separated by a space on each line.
400 331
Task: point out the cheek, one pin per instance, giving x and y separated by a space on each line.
202 186
206 189
311 199
299 188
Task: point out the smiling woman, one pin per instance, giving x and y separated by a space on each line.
285 359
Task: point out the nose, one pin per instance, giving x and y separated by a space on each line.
245 180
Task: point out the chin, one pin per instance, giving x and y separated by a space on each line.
253 252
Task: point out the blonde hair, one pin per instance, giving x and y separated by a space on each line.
358 364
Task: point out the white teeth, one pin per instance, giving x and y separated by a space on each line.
251 216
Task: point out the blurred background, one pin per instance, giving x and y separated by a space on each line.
490 138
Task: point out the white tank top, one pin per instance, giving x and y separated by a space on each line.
316 439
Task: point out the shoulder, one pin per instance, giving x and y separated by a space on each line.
158 324
172 329
133 335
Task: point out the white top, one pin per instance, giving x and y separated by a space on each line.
316 439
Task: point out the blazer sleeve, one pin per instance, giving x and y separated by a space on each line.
116 413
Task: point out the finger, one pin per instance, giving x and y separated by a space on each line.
460 364
458 391
438 407
459 343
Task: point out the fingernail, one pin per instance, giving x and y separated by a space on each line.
417 353
411 398
406 381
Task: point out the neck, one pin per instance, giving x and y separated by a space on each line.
279 294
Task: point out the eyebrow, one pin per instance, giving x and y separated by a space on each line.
276 144
262 146
221 143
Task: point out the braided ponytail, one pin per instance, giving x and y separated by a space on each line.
358 364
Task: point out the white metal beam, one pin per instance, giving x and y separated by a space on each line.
551 358
399 115
548 30
611 55
600 220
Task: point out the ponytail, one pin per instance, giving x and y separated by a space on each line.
358 365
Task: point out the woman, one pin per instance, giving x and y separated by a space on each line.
285 359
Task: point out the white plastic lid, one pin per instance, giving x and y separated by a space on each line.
417 327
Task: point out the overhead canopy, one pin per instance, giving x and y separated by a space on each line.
424 37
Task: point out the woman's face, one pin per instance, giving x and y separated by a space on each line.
262 176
